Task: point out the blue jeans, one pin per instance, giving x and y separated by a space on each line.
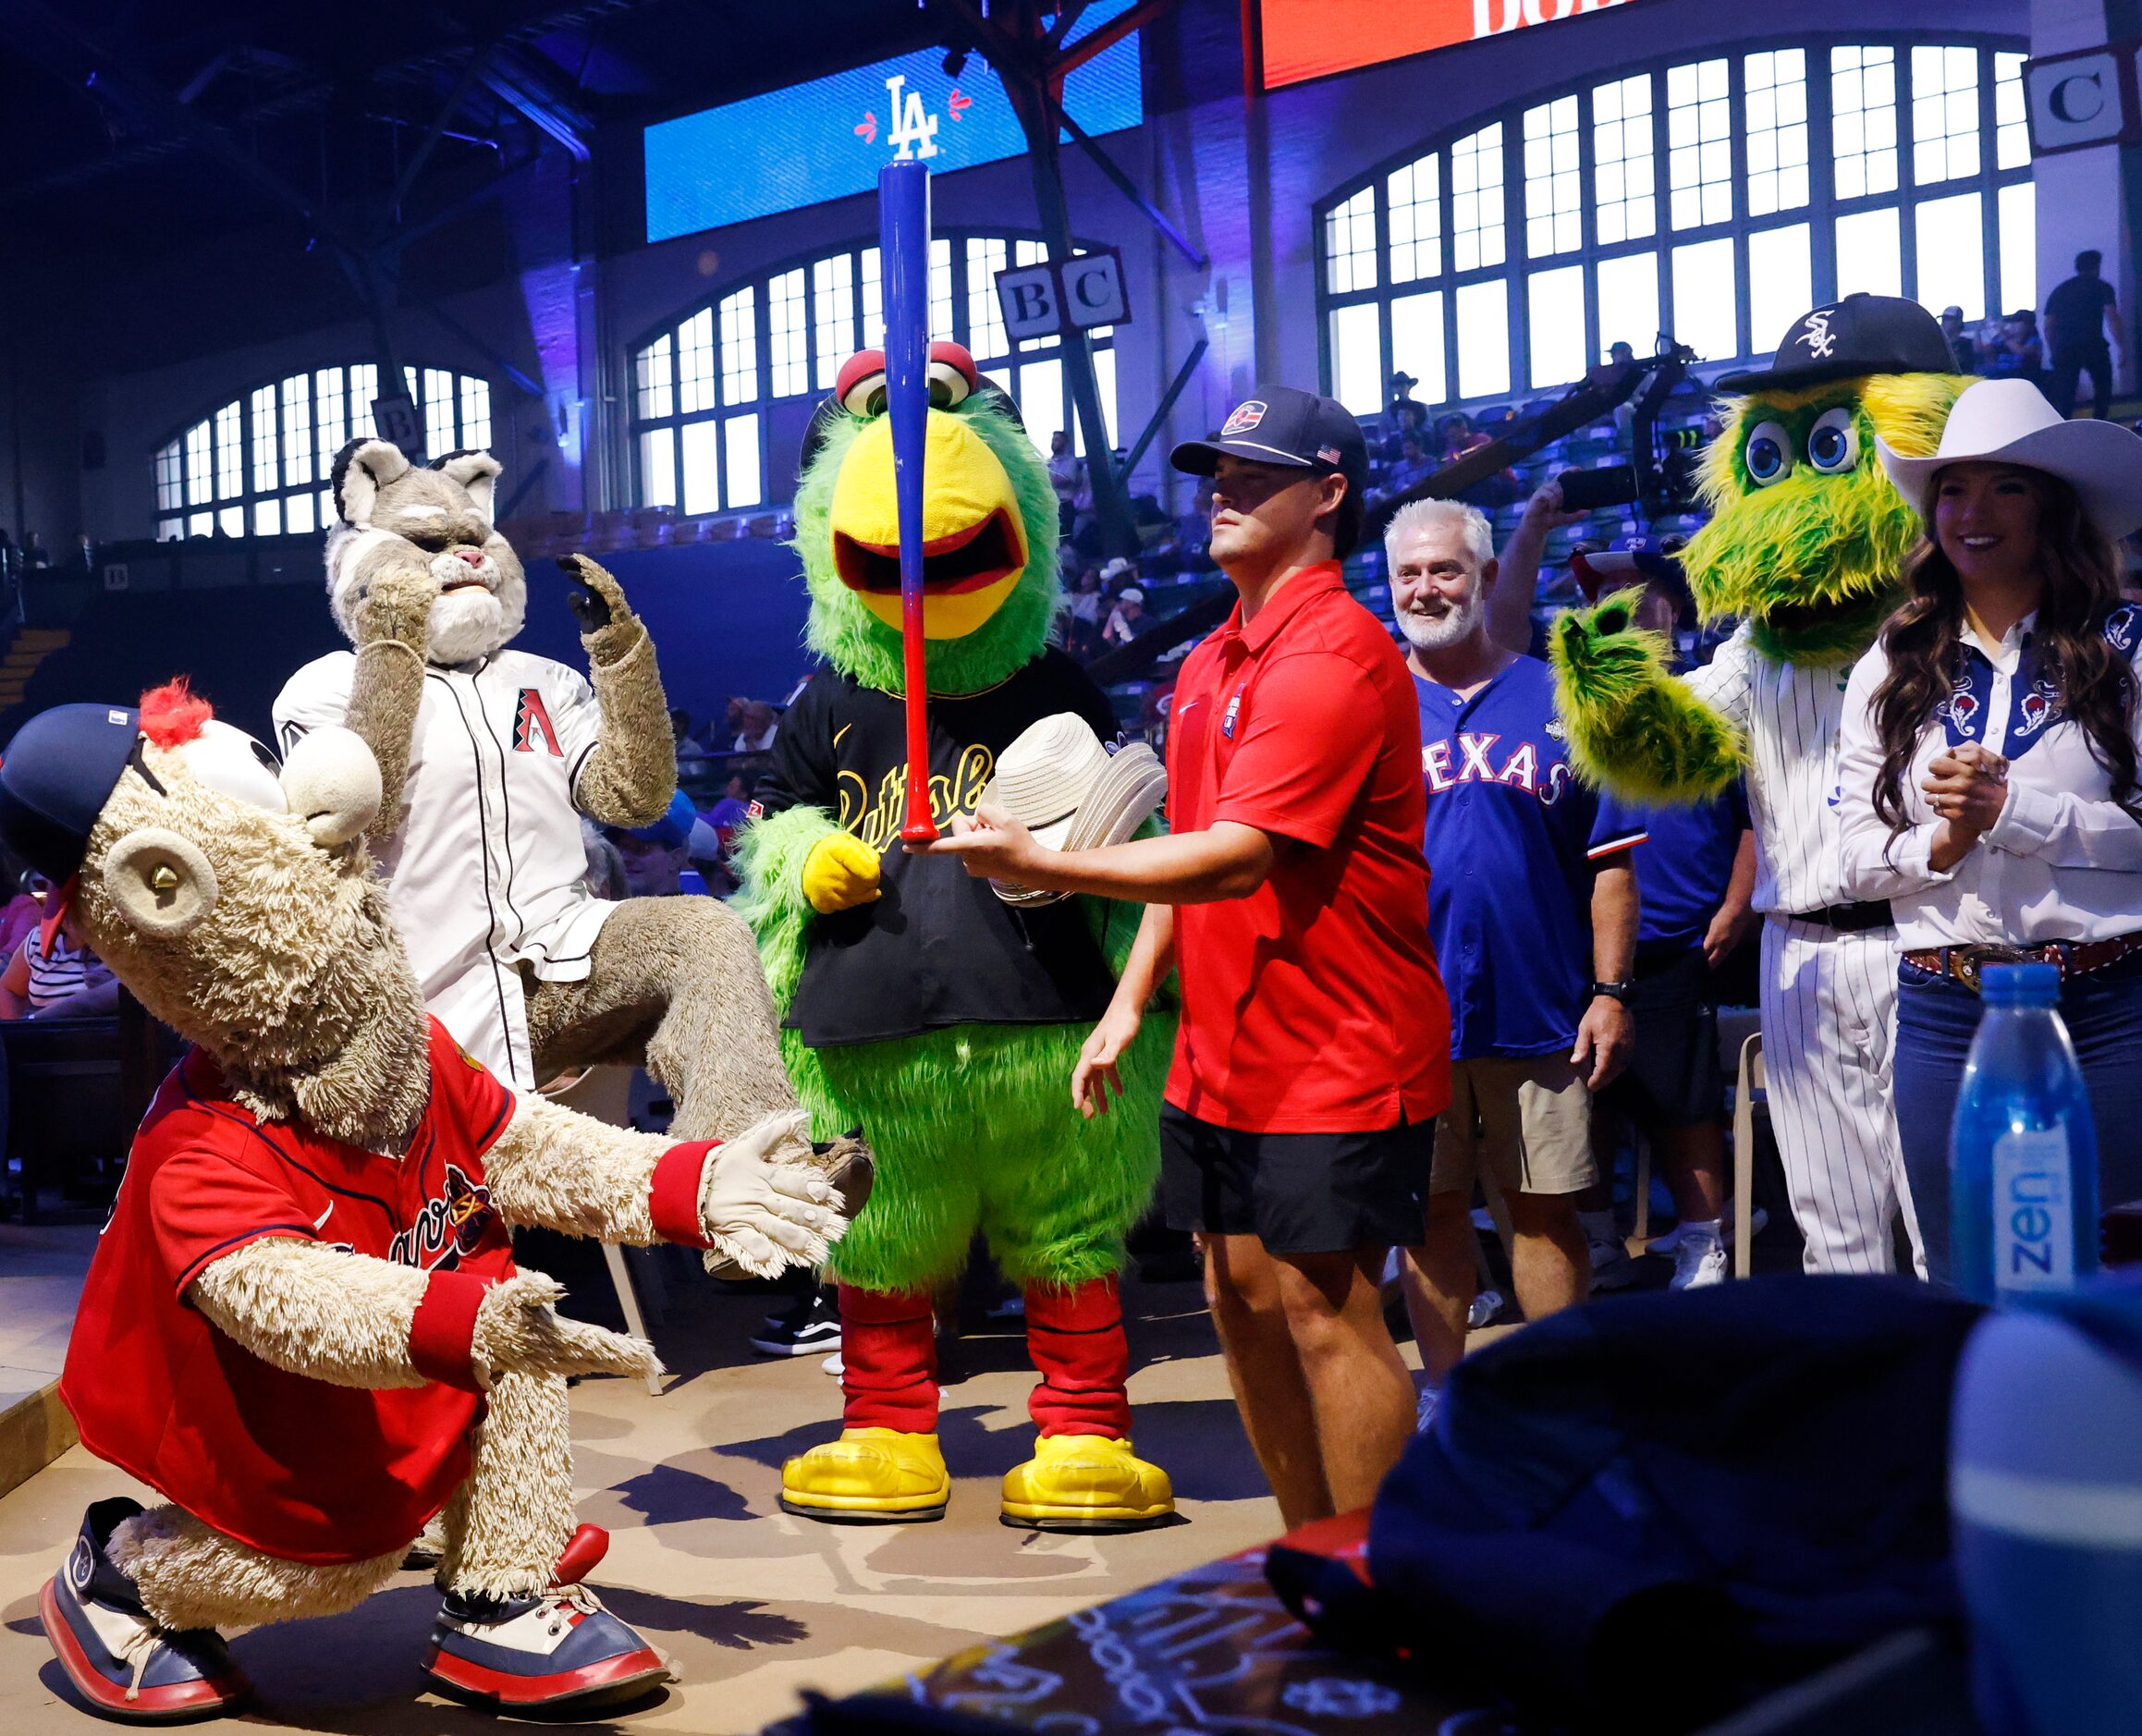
1937 1017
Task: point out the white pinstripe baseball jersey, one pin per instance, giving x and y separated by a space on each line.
1790 715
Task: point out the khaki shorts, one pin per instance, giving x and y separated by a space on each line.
1528 1122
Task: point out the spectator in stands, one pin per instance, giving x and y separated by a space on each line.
24 908
1123 618
1067 475
654 856
2019 355
1458 437
1414 465
1533 909
34 553
756 727
1960 343
62 979
1083 614
1696 876
2082 331
1619 354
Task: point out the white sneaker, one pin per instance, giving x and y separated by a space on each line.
1487 1304
1698 1263
832 1366
1425 1408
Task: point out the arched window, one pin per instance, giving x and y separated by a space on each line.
259 466
1717 199
703 388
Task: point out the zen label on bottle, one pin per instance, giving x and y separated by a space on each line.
2034 1220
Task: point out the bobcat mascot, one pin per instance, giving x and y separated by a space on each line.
488 757
304 1327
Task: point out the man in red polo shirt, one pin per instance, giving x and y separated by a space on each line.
1293 897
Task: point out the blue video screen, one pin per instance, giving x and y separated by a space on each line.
827 139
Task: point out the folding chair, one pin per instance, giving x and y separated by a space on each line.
605 1094
1754 1085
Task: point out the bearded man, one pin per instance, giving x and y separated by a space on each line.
1532 906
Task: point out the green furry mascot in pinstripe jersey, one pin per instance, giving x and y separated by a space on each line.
923 1008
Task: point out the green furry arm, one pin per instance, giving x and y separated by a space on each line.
1115 921
1632 729
770 855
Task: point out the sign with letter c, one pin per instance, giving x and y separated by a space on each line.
2074 100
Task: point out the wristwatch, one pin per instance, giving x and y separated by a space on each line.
1613 991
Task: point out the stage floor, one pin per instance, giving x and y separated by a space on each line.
753 1604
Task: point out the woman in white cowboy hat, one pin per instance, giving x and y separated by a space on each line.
1988 764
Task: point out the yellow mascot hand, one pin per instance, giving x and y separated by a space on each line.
840 872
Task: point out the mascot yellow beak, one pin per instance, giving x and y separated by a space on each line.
973 549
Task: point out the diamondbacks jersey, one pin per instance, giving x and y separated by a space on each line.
487 870
1790 714
1511 838
296 1467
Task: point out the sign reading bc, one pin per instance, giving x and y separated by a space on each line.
1049 300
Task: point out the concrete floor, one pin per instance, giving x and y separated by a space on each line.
753 1604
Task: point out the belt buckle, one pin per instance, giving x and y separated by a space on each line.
1967 962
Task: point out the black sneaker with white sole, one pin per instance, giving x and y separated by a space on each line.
119 1660
810 1328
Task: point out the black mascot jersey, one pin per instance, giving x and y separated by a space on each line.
938 947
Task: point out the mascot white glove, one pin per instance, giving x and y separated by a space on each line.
764 1215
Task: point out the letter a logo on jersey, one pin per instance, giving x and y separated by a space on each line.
528 717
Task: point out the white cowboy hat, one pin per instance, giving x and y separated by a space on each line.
1071 792
2009 422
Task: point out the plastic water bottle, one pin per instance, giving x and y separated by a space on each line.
2023 1150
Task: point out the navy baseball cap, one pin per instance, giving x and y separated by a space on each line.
1277 425
56 777
1860 335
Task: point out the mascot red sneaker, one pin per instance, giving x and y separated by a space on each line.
303 1326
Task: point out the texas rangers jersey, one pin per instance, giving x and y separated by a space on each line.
301 1468
1511 840
486 873
1790 714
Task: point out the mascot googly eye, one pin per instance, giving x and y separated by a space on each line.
160 881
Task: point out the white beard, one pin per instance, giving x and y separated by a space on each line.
1422 633
465 624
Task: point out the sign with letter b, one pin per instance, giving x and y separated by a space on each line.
1049 300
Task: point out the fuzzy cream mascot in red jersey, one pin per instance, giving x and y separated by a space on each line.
304 1327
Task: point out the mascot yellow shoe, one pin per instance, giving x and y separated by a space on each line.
869 1476
1087 1483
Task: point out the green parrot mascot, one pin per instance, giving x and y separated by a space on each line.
922 1007
1803 547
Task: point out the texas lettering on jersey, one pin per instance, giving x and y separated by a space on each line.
1519 769
530 716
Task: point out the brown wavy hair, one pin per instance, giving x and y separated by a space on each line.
1924 639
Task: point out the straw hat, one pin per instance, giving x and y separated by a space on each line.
2009 422
1071 792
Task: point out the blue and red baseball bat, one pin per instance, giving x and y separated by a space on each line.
903 240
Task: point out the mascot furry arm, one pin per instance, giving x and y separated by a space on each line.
417 573
1804 544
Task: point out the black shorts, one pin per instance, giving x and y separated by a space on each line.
1297 1193
1674 1078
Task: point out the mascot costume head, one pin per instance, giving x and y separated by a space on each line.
1804 545
304 1327
922 1007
